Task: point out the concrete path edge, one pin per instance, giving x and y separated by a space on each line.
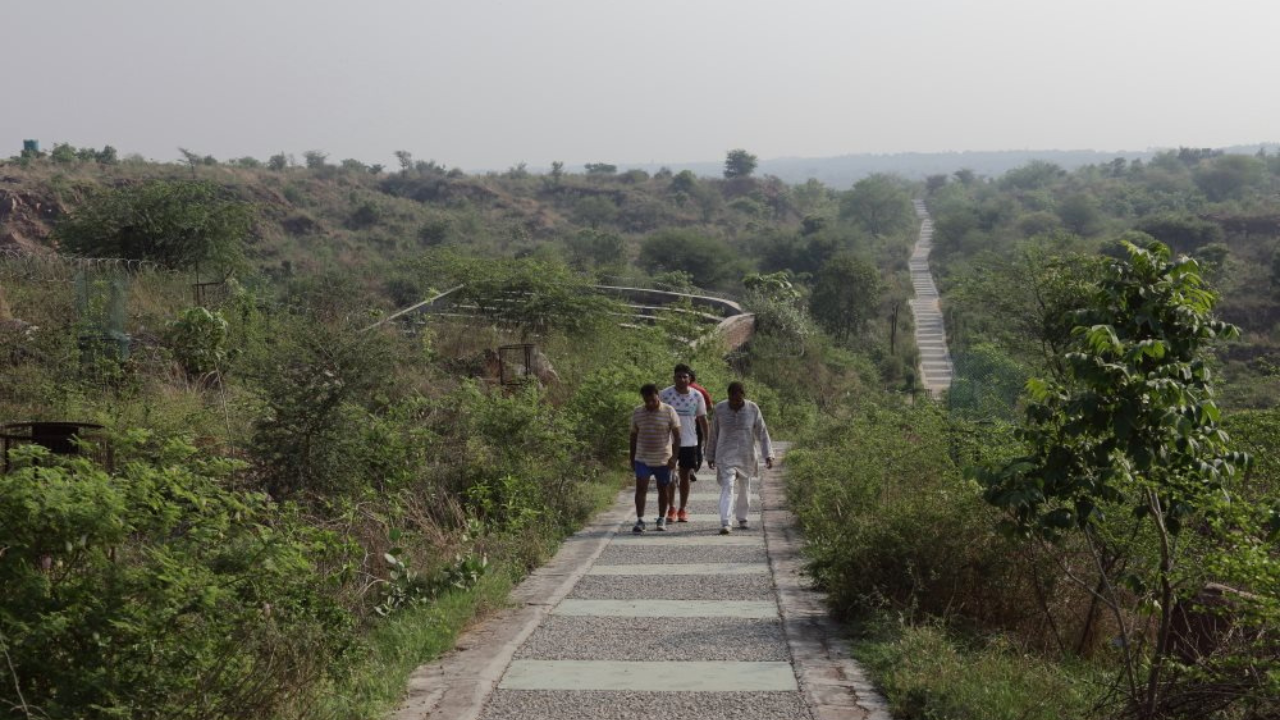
832 682
457 684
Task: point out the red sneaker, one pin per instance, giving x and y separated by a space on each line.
671 515
682 516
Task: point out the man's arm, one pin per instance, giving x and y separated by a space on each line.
702 416
762 435
710 452
675 438
635 433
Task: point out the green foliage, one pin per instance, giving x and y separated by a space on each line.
198 338
595 210
178 224
709 260
63 154
601 169
889 520
927 675
312 381
596 249
846 295
155 592
315 159
987 384
878 204
1022 301
739 163
1135 433
1229 177
1181 231
533 295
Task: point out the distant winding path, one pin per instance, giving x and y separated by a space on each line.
936 369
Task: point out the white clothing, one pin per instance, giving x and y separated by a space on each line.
732 446
689 406
734 435
732 478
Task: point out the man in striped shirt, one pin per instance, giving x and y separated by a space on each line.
655 443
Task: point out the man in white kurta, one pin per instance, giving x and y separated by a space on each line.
736 429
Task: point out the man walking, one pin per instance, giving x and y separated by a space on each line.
692 409
737 428
655 441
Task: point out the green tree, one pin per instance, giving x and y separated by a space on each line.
684 182
1132 432
315 159
595 211
879 205
279 161
845 295
1181 231
708 260
176 223
63 154
107 156
1035 175
739 163
599 169
596 248
1229 176
1080 213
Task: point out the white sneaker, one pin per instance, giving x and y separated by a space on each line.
724 530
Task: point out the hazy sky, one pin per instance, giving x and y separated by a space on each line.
486 84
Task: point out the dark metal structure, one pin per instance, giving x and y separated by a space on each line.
60 437
515 363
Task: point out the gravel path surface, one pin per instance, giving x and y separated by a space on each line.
595 638
543 705
720 587
636 554
622 627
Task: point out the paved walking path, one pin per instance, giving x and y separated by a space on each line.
936 369
681 625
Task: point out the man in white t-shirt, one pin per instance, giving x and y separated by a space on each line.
692 409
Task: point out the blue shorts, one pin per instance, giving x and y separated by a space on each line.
661 473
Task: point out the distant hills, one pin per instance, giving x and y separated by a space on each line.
842 171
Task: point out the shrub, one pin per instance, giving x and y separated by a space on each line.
154 592
199 340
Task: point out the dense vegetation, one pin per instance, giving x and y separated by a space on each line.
300 509
299 505
1081 530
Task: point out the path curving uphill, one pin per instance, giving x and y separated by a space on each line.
936 370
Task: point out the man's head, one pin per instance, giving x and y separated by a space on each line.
650 394
737 395
682 377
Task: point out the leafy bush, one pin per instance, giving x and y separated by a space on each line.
176 223
312 380
890 522
199 340
156 593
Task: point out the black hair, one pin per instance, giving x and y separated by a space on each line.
681 368
648 390
735 385
692 376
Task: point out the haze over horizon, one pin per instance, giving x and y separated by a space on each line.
489 84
